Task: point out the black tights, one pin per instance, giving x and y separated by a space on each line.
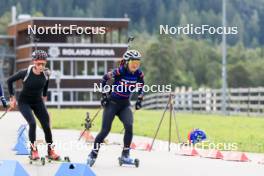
121 108
42 115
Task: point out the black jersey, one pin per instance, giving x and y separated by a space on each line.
34 86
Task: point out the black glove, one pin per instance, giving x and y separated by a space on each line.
138 104
104 100
4 102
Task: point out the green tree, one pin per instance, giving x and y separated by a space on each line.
4 21
159 66
238 76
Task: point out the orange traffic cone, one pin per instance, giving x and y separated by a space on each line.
87 136
236 156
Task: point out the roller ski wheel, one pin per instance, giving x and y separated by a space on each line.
90 161
41 160
34 157
58 159
128 161
67 159
137 162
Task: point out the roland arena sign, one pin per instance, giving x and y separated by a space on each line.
85 52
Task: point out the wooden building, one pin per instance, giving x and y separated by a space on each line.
78 60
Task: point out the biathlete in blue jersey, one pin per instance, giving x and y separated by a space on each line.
126 78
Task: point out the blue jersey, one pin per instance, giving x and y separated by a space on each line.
125 82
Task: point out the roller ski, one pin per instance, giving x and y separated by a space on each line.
65 159
126 160
41 161
35 158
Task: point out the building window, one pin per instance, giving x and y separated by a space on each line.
74 39
98 38
115 36
66 96
96 96
100 68
86 39
123 34
90 67
79 68
82 67
48 65
49 95
110 66
56 65
108 37
67 68
82 96
69 39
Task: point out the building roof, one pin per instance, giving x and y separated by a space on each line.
71 19
7 37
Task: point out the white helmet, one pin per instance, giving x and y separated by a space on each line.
132 55
39 55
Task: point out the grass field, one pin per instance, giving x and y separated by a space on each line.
246 132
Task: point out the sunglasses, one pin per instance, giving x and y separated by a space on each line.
40 64
134 62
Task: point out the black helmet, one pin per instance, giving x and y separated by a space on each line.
132 55
39 55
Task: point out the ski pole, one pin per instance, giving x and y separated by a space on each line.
6 110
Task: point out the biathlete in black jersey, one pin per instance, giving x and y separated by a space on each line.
32 98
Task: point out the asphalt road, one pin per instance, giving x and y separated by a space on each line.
155 163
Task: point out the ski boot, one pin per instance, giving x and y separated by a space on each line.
52 154
34 156
91 159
